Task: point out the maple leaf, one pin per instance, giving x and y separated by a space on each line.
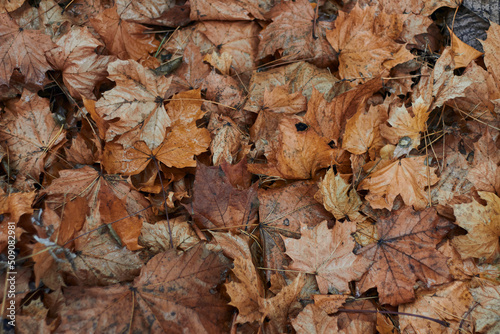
486 158
405 252
238 39
483 226
491 47
280 100
335 195
99 260
406 177
124 39
164 13
362 132
22 49
157 236
334 264
229 11
450 304
193 71
135 102
82 68
298 154
300 77
364 46
217 204
248 296
30 132
313 320
298 34
16 204
227 140
329 118
115 197
404 125
464 53
158 301
281 213
487 313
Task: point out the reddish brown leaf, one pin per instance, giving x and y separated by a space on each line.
159 299
405 252
22 49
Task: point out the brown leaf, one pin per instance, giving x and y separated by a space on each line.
135 102
156 302
335 195
364 46
156 12
298 154
217 204
300 77
30 132
297 34
193 71
450 304
483 226
404 125
362 132
487 314
157 238
464 53
491 48
22 49
82 68
280 100
405 252
334 264
124 39
329 118
406 177
313 320
281 213
202 10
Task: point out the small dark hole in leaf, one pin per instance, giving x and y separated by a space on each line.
301 126
332 144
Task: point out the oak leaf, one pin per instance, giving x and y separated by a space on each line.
405 251
156 302
22 49
334 264
135 104
335 195
483 227
406 177
81 67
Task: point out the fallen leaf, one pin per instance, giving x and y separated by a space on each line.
334 264
163 285
81 66
335 195
135 102
483 227
229 11
22 49
297 34
406 177
450 304
487 314
124 39
464 53
218 205
405 251
157 237
313 320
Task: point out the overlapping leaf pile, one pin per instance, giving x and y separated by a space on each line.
249 166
